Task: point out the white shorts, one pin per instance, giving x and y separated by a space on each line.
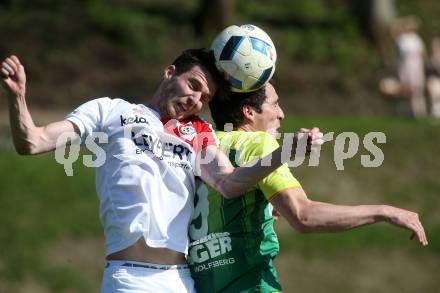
141 277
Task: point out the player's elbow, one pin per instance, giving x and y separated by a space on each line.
227 193
302 228
302 223
298 222
226 187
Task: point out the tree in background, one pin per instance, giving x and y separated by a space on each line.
376 18
212 17
5 3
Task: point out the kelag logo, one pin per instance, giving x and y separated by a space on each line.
133 120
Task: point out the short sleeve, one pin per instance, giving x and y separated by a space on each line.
278 181
90 116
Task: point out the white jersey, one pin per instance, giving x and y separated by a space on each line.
146 184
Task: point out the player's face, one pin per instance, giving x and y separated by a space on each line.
269 120
185 94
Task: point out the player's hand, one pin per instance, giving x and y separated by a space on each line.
408 220
313 136
13 76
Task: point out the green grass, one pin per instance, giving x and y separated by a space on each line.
40 204
42 208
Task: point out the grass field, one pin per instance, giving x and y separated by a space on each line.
51 239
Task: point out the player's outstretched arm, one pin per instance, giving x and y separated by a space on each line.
310 216
28 138
217 171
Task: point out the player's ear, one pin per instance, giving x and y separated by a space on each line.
248 112
169 72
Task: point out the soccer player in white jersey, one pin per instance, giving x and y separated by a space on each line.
146 184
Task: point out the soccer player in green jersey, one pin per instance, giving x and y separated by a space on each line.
233 241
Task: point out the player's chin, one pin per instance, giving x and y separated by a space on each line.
174 112
186 114
178 115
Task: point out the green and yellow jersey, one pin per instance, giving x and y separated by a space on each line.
233 241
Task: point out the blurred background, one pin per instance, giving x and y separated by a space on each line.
343 65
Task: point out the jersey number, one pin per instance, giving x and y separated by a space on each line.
200 215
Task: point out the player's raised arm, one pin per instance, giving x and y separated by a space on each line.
231 182
305 215
28 138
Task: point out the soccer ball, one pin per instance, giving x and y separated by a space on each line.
246 56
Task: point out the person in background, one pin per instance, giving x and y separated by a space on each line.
433 82
411 63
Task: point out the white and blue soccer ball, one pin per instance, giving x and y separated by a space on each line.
246 56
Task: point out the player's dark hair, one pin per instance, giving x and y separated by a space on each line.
227 107
201 57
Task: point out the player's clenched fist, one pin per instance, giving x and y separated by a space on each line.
13 76
313 136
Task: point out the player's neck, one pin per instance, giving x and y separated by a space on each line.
247 127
